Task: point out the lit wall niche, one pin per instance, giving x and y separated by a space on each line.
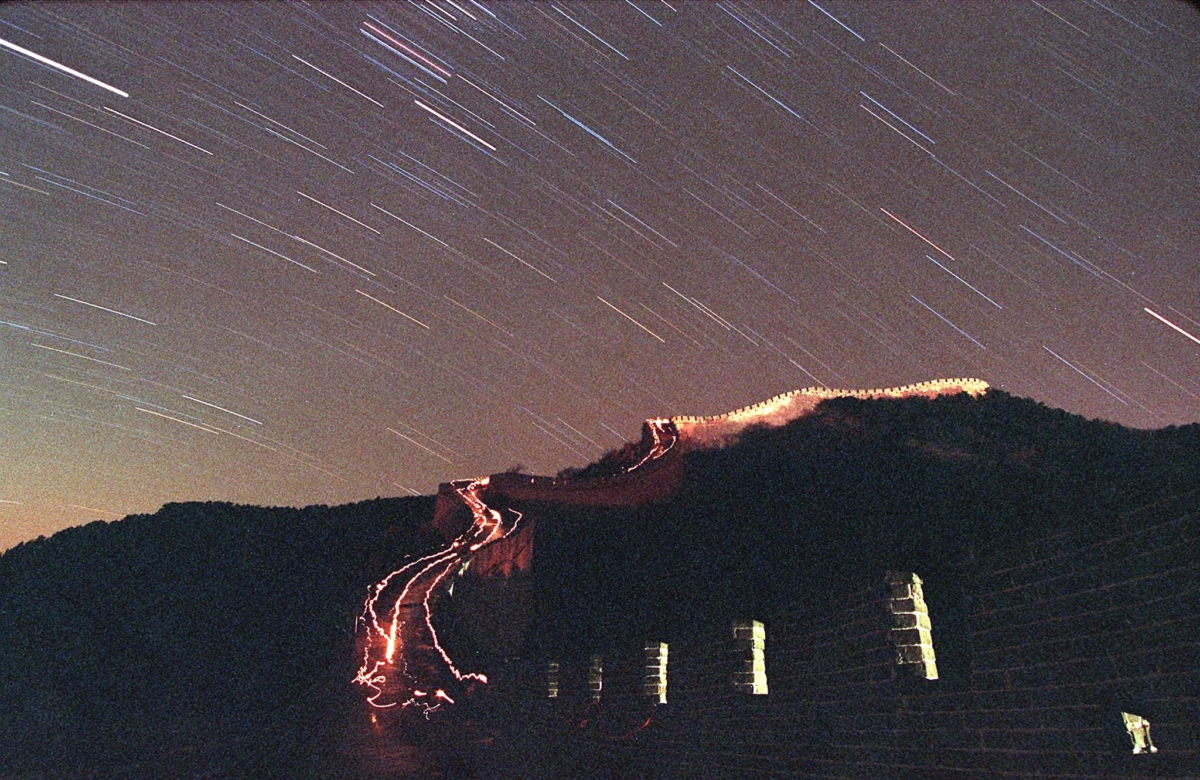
654 681
750 645
1139 732
910 628
596 677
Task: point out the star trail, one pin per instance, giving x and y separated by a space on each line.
294 253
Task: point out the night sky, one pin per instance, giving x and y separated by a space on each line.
321 252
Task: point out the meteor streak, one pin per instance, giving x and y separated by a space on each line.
344 84
59 66
445 74
918 235
93 509
631 319
103 308
477 314
519 260
85 357
392 308
422 446
155 129
335 211
204 428
454 124
223 409
272 251
1170 324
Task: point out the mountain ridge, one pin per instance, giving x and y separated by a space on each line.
228 632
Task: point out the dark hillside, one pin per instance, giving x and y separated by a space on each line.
207 635
766 525
218 640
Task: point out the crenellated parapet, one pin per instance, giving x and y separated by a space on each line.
699 432
654 469
932 388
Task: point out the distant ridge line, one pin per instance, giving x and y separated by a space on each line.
652 469
969 385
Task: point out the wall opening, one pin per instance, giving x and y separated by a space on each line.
910 629
1139 732
750 645
654 679
596 677
552 680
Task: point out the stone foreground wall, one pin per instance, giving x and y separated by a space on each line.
1057 646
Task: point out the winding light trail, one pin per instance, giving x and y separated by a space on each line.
398 633
392 641
402 654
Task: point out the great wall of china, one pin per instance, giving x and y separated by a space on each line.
657 465
700 432
489 541
1056 648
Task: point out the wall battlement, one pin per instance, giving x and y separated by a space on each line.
933 387
1062 650
658 471
698 432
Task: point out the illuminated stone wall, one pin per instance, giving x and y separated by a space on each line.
910 630
702 432
1064 638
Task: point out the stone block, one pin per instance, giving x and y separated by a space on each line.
904 591
902 578
595 677
914 604
749 645
743 629
910 625
926 670
654 673
747 633
912 654
750 682
912 636
910 620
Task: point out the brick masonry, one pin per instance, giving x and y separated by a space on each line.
1062 636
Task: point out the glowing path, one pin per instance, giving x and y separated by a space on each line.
394 640
400 636
403 657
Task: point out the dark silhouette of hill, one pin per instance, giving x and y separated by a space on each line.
219 640
765 525
206 639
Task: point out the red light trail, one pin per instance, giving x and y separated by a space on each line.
395 640
402 648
